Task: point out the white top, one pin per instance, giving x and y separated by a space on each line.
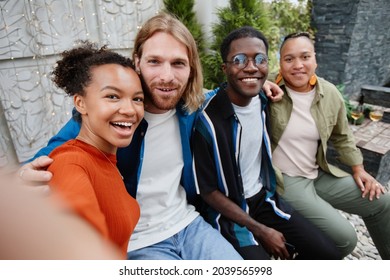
164 207
250 146
296 152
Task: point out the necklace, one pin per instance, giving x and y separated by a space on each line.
115 167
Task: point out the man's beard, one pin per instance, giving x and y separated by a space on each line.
166 102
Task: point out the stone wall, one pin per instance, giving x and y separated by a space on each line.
353 42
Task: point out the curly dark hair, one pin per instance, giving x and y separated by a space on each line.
73 72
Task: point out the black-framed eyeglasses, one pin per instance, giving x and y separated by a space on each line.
241 60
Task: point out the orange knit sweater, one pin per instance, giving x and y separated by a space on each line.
91 185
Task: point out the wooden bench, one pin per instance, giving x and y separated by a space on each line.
372 139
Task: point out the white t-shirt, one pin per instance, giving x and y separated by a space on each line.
296 152
164 207
250 146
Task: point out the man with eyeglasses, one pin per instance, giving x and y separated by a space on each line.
232 163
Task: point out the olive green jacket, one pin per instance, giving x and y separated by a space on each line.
329 114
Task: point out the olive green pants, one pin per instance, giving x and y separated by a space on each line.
319 199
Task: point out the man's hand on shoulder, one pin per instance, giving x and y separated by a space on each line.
272 91
34 173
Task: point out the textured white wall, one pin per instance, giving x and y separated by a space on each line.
32 34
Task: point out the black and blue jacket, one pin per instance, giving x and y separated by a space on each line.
216 146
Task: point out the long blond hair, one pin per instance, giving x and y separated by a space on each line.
193 95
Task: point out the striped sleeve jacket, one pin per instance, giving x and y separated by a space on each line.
216 146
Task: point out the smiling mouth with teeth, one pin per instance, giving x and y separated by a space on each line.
122 124
166 89
249 79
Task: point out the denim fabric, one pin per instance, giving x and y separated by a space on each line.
197 241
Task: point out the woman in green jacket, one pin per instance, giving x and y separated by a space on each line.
310 114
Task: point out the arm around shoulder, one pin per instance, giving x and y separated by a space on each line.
69 131
33 172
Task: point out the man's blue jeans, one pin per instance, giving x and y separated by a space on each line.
198 241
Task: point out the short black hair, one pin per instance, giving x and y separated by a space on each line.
295 35
242 32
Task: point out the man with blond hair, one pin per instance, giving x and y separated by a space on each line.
156 166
